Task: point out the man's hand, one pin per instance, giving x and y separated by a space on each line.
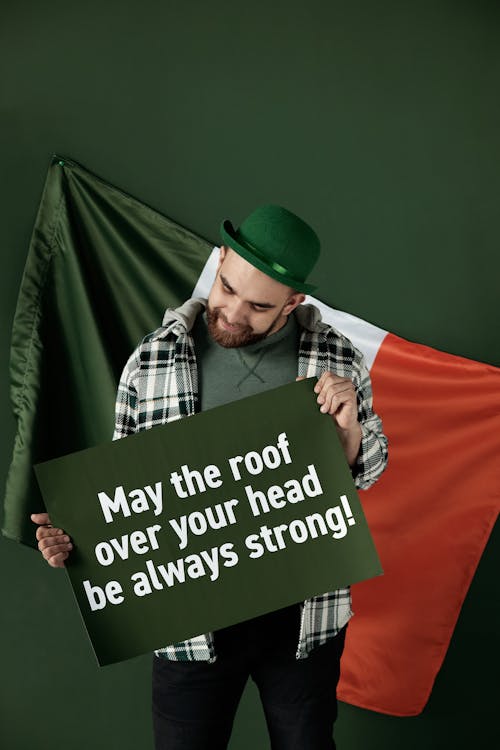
53 543
337 397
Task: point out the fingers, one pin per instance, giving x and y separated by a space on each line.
48 532
333 399
53 543
57 560
337 397
334 392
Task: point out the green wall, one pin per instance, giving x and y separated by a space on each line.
378 122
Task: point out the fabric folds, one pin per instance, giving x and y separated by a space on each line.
101 269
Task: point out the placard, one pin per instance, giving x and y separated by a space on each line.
208 521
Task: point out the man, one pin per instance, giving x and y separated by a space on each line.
252 334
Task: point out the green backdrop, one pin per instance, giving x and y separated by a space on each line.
378 122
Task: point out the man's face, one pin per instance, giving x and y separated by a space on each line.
244 304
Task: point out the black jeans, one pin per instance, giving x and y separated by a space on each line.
194 703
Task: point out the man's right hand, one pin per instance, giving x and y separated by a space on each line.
53 543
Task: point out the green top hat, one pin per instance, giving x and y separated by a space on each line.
276 242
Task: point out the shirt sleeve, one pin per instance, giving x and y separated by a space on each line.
372 457
126 400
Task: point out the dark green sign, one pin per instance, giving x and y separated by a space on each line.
208 521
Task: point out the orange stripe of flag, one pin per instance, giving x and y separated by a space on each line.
431 514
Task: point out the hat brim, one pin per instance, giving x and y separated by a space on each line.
228 234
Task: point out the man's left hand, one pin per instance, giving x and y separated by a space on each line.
337 397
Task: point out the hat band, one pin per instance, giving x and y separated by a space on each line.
275 266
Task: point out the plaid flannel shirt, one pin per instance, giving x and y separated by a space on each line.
160 384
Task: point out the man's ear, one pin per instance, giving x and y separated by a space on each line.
294 300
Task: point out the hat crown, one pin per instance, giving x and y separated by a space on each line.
277 242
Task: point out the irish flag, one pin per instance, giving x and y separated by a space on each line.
431 513
100 270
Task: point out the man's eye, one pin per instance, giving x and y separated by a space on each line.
258 308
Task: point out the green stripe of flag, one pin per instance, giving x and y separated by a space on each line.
101 269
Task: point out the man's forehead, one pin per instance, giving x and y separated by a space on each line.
243 277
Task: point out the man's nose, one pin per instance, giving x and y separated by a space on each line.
234 312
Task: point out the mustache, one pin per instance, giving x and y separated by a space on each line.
216 313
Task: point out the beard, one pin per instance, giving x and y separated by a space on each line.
231 340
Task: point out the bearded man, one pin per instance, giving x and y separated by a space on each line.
252 334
